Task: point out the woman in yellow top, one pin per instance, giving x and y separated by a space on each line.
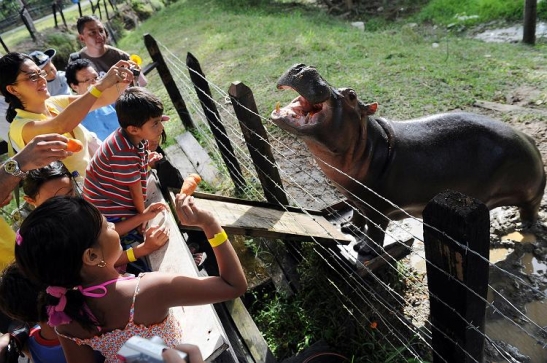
32 111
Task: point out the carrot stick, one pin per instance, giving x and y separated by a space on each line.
190 184
74 145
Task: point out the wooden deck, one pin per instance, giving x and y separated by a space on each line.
201 325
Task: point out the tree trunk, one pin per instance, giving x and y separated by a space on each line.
529 28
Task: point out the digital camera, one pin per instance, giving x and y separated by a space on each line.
141 350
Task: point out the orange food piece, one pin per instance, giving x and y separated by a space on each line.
74 145
190 184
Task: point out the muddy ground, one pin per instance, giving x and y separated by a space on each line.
513 284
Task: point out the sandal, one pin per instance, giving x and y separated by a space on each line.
199 257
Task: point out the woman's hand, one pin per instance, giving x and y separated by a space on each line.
41 151
118 73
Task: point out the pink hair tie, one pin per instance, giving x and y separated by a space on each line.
56 313
18 238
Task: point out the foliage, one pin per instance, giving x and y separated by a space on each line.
324 310
64 43
143 10
449 11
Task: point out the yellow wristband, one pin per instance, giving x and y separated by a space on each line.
95 92
131 255
218 239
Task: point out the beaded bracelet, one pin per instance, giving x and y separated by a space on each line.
218 239
131 254
95 92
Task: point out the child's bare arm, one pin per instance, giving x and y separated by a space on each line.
133 222
75 353
154 238
136 194
231 281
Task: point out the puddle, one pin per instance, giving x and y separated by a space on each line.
499 254
533 266
506 331
520 237
510 34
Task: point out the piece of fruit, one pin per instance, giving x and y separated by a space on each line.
190 184
74 145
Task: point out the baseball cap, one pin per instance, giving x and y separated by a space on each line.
41 58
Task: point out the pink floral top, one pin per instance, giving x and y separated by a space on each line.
110 342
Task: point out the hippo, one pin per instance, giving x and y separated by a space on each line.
389 170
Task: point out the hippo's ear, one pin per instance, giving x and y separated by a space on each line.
370 109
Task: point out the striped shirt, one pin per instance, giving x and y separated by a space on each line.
114 166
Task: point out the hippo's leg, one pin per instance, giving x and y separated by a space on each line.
372 244
356 226
529 213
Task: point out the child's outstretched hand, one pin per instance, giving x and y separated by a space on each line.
150 212
189 214
154 238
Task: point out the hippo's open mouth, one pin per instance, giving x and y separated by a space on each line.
299 113
307 110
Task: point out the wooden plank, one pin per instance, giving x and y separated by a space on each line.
201 324
199 158
176 156
249 331
255 203
393 253
271 223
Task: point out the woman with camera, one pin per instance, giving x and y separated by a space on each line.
32 111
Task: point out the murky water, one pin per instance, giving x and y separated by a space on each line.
510 34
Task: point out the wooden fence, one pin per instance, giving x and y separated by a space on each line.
457 271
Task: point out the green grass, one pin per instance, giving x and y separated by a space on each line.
409 70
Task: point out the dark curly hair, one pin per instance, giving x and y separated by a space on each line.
54 238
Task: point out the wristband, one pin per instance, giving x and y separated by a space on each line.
95 92
218 239
131 254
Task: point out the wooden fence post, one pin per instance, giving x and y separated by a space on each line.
211 113
27 20
529 27
168 81
256 139
6 49
457 275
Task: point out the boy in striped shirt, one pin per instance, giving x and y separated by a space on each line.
116 176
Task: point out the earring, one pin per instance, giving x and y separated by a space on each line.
102 264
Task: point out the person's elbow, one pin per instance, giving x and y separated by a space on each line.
240 288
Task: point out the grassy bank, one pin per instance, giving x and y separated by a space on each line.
409 70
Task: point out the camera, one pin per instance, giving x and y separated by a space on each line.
135 70
141 350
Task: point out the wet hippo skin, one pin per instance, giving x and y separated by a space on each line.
381 165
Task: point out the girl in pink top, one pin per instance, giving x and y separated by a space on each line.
67 245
